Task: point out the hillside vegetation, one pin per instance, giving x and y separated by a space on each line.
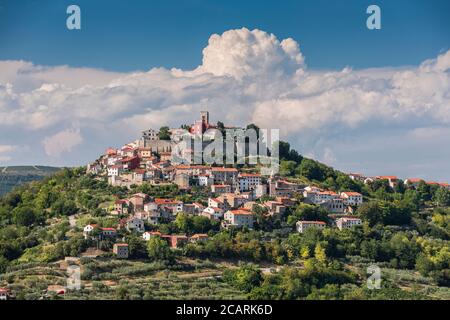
405 231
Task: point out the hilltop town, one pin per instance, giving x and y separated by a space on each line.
138 207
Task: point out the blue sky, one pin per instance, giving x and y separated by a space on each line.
375 102
138 35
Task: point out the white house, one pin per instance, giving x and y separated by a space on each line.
4 294
248 181
115 170
205 180
147 235
88 229
213 213
239 218
216 203
352 198
304 225
220 188
347 222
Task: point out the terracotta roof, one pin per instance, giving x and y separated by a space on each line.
351 193
160 201
199 235
388 177
241 212
108 229
311 222
121 244
413 180
224 169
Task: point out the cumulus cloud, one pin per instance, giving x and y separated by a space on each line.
62 142
245 76
243 53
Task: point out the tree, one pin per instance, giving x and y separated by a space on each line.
158 249
136 247
442 197
311 170
184 222
287 168
24 216
245 278
319 254
164 133
308 212
370 212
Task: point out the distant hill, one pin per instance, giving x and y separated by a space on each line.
11 177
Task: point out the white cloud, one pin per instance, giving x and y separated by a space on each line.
245 76
243 53
62 142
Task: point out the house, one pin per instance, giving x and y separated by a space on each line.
147 235
175 241
260 190
392 180
150 216
121 250
139 175
108 232
318 197
352 198
224 175
232 200
275 207
4 294
334 205
130 163
239 218
135 224
150 206
248 181
198 237
145 153
137 200
213 213
304 225
121 206
356 177
198 207
115 170
87 230
205 180
283 188
347 222
217 203
288 202
413 182
177 205
220 188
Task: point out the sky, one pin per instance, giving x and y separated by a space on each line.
370 101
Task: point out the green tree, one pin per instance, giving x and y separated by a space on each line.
158 249
442 197
24 216
164 133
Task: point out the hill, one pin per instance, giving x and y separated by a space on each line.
14 176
